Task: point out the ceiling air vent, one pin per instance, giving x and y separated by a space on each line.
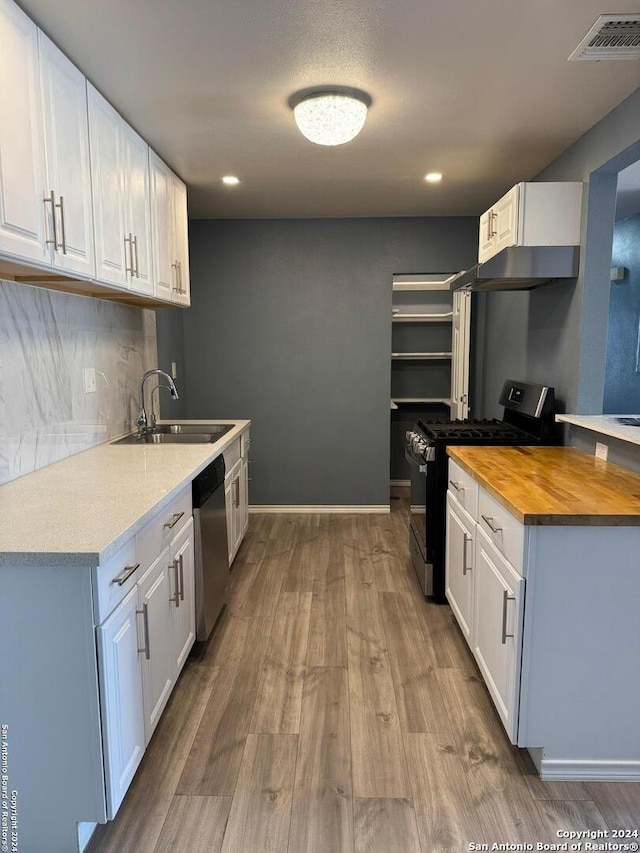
611 37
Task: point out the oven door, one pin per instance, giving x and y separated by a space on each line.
418 507
421 473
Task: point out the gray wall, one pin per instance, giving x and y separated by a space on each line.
557 334
170 331
290 326
622 380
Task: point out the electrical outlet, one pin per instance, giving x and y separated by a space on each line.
174 370
90 381
602 451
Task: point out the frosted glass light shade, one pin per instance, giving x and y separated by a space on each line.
330 118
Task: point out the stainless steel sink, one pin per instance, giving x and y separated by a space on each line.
179 434
193 429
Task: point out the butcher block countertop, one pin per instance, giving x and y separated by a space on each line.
554 485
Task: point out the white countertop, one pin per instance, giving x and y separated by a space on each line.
605 424
80 510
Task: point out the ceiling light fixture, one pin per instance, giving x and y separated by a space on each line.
230 180
330 116
433 177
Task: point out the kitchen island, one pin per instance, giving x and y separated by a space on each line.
98 617
543 578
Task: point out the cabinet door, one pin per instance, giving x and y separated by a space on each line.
22 163
184 616
66 131
244 499
497 629
182 295
486 241
105 134
162 228
229 500
506 220
460 346
459 565
157 591
138 212
121 704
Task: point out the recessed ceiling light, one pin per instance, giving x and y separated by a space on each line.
230 180
433 177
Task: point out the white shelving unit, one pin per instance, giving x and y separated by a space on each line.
429 357
396 402
401 282
422 318
421 356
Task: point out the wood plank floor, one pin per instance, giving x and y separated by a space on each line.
334 710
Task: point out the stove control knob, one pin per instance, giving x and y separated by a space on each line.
409 435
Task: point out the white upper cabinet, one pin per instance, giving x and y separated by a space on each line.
79 195
22 161
170 235
68 190
137 212
532 214
162 226
182 295
107 171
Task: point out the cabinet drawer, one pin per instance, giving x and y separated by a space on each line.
115 578
231 454
464 489
157 534
504 531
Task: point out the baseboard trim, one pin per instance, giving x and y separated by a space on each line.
356 508
85 833
400 482
568 770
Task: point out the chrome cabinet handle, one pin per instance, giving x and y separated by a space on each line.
489 522
129 268
492 217
181 577
174 520
176 573
63 226
145 620
52 201
236 483
465 567
174 266
125 574
506 598
456 486
135 246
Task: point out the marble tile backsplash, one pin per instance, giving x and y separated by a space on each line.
47 339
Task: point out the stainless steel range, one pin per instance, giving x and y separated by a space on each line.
528 420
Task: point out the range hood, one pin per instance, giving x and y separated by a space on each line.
520 268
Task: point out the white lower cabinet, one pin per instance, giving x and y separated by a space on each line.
236 492
155 591
121 699
184 614
485 590
459 563
233 507
497 629
142 646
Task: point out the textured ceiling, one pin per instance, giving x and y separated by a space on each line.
480 91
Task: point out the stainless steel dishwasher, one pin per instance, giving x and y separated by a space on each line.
211 548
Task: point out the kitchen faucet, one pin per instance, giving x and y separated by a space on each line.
143 422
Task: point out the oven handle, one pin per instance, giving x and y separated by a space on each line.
422 468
